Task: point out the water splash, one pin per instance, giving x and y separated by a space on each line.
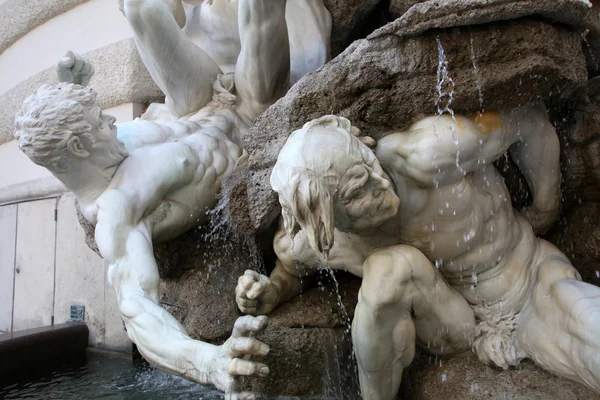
445 95
584 37
445 83
476 73
334 390
220 239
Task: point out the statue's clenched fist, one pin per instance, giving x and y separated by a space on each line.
256 294
73 68
175 6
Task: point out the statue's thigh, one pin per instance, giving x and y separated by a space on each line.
403 279
560 323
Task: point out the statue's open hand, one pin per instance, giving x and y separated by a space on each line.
256 294
233 358
73 68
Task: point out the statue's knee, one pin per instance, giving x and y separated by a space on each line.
135 10
400 264
390 275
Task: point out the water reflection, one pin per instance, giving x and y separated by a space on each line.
112 379
103 378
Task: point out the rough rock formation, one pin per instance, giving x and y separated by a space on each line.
382 83
347 18
385 81
578 232
465 378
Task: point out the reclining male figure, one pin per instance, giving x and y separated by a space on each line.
430 195
153 180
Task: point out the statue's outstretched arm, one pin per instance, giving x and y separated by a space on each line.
161 339
182 70
537 154
263 66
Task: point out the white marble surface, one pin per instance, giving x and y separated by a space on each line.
427 222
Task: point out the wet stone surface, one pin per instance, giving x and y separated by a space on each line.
464 377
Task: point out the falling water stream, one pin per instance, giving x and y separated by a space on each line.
445 96
476 72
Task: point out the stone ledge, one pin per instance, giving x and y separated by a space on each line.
24 351
18 17
121 77
435 14
32 190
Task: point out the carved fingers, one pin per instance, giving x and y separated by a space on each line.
256 294
233 395
73 68
248 325
233 360
241 345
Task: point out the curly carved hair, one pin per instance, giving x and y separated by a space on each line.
49 118
308 178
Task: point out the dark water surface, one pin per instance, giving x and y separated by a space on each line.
104 378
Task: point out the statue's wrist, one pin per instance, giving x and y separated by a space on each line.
278 290
203 356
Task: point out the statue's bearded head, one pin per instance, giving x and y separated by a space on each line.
327 178
62 125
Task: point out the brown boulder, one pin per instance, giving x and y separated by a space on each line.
464 377
387 80
347 17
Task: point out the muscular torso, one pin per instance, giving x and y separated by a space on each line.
467 227
174 170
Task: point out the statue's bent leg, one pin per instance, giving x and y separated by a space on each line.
182 70
403 297
559 326
309 29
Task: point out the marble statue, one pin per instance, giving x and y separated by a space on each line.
215 41
426 220
140 183
151 180
213 26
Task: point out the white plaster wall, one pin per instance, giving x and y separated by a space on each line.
84 28
8 238
115 337
34 271
79 273
15 167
